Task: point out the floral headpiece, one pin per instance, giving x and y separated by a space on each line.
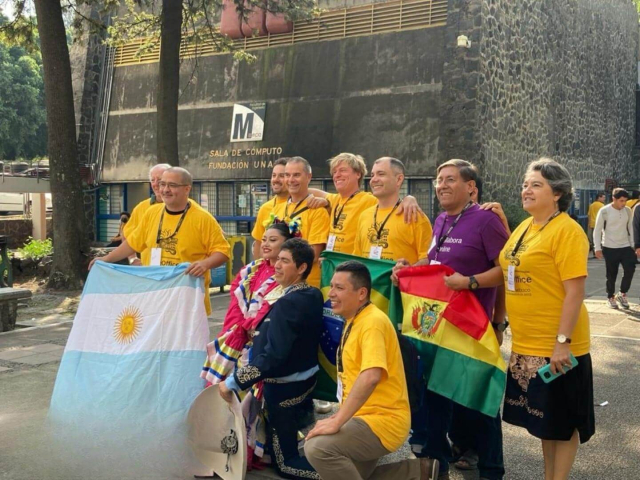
294 225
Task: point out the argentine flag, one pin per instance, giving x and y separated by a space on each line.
130 369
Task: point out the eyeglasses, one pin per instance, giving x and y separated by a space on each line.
172 186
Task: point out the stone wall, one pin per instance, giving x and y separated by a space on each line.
376 95
19 230
557 78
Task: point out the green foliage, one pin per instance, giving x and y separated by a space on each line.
23 131
36 249
199 21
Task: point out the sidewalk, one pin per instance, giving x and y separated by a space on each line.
29 360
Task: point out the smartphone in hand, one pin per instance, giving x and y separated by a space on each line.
547 376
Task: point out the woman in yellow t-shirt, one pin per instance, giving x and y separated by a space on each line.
545 267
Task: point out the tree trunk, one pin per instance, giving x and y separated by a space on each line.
169 82
70 240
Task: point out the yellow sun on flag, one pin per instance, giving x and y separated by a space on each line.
127 325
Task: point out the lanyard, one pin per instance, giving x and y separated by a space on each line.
296 212
521 239
159 236
375 219
345 336
337 213
444 237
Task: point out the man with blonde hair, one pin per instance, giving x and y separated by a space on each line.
348 171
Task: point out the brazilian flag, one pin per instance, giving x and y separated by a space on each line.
383 294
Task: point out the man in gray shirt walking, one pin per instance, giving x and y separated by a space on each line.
613 240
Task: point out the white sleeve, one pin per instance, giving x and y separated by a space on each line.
597 231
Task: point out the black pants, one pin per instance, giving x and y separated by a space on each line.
431 423
613 257
288 407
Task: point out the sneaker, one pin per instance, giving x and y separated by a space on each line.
429 468
622 298
612 303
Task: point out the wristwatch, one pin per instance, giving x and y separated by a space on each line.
563 339
473 283
501 327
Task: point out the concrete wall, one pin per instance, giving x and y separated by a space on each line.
557 78
375 95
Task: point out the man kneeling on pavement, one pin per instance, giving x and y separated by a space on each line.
374 416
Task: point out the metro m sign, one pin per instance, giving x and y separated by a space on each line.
247 122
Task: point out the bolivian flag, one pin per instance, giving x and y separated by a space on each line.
384 295
459 349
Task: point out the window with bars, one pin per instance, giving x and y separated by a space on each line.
226 200
243 199
194 194
208 197
423 191
111 200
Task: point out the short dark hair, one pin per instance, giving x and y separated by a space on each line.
282 228
359 273
479 187
301 252
619 193
635 194
281 161
467 170
601 194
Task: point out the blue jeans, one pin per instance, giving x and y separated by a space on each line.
439 416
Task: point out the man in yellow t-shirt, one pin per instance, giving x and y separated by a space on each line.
180 231
348 172
314 223
374 415
594 208
279 187
380 233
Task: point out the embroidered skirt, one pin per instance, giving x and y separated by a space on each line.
550 411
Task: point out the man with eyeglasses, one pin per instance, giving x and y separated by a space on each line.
176 232
469 240
380 233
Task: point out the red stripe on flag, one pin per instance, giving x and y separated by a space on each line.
465 312
463 309
426 281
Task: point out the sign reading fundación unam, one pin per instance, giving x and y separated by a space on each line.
247 123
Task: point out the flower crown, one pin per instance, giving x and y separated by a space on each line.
294 225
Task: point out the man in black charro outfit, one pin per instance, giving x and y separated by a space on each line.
285 357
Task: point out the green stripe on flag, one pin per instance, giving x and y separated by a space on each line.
384 295
465 380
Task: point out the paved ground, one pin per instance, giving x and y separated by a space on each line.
29 359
